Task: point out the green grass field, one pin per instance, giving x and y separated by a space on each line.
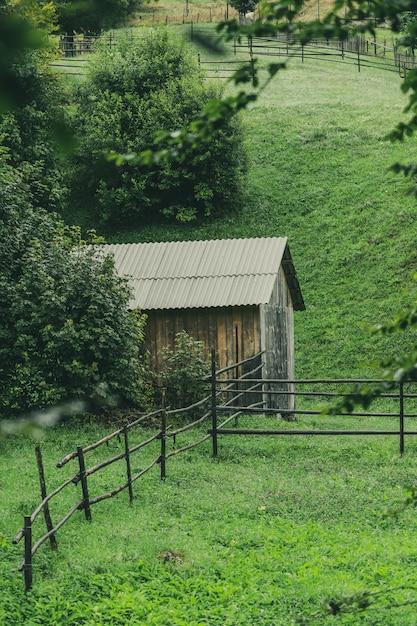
275 528
271 532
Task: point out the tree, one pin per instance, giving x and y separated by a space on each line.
93 16
244 6
134 90
33 128
20 36
65 328
32 133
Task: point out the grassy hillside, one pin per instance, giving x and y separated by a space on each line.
270 533
318 174
276 527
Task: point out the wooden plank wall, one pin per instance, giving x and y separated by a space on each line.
277 332
234 332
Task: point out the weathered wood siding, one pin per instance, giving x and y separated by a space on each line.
233 332
277 342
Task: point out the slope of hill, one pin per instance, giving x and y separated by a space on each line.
319 175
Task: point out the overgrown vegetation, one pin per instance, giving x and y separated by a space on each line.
65 329
185 373
134 89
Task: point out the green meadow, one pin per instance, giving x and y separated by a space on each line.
276 531
273 532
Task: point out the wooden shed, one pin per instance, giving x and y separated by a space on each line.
238 296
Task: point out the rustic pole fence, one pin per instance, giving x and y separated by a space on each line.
163 435
84 485
46 513
213 404
128 466
225 400
27 567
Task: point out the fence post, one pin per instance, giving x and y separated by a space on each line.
128 468
163 434
401 419
27 566
213 404
47 515
83 478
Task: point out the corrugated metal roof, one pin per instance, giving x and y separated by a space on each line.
199 274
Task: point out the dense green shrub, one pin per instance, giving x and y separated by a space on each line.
32 131
133 91
65 329
93 16
186 371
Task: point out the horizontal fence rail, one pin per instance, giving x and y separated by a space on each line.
395 401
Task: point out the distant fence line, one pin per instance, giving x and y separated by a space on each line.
231 395
359 51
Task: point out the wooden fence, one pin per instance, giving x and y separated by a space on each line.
359 51
234 391
392 406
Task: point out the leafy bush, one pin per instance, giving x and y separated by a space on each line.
33 130
186 371
134 90
65 329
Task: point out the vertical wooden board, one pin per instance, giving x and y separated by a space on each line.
150 338
185 319
248 332
203 327
179 321
169 335
221 352
262 327
230 341
290 342
257 329
160 339
237 333
192 323
212 315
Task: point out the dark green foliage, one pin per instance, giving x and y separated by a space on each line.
408 29
186 372
17 36
243 6
65 330
32 131
133 91
93 16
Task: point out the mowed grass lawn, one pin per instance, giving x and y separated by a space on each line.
271 532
